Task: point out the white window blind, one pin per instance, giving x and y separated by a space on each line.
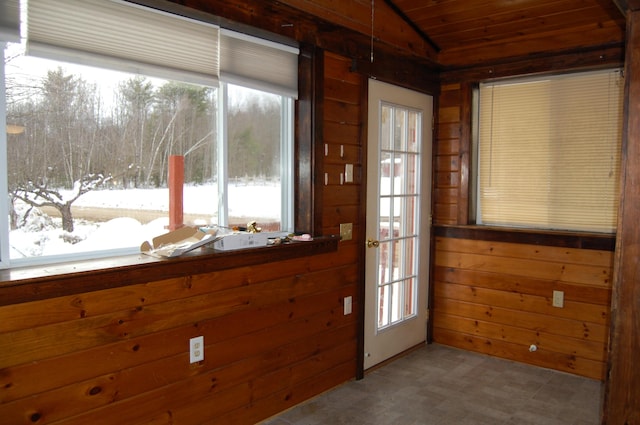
549 152
10 21
257 63
125 37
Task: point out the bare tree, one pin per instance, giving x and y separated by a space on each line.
38 195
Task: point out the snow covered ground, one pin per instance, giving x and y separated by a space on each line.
42 236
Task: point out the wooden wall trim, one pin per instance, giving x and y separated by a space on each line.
591 58
38 283
362 219
530 237
305 195
622 390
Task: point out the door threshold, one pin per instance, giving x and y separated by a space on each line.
394 358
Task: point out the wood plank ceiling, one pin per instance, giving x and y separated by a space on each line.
456 33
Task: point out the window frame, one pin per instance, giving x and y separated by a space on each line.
474 207
292 172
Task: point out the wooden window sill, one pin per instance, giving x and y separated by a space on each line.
596 241
25 284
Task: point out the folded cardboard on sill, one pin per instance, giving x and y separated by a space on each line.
177 242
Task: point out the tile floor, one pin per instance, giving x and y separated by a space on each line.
440 385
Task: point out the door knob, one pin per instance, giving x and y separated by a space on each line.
372 244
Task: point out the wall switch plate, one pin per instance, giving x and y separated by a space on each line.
348 305
346 231
196 349
348 173
558 299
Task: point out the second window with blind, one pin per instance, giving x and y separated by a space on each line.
547 152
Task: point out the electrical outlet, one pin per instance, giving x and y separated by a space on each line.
196 349
348 305
558 299
346 231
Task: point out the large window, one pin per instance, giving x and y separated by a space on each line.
88 144
548 152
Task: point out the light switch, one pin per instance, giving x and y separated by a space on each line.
348 301
348 173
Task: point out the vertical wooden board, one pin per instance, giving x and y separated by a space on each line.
622 392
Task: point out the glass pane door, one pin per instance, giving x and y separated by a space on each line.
399 200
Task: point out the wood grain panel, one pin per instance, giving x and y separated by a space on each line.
562 272
496 297
449 130
562 40
339 68
537 322
341 112
504 332
516 250
524 284
341 133
449 114
448 163
544 358
622 392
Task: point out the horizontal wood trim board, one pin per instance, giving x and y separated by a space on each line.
29 284
562 272
531 237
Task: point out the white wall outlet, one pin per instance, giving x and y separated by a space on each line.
196 349
558 299
348 307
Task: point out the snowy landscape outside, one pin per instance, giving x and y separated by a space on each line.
43 236
115 132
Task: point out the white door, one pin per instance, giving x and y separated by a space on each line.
398 220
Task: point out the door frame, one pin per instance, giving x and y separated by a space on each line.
364 114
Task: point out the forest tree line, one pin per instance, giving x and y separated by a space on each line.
71 132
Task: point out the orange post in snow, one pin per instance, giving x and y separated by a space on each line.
176 183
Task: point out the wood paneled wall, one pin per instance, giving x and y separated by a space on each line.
496 298
493 295
342 126
274 333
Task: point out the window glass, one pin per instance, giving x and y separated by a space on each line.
88 154
548 152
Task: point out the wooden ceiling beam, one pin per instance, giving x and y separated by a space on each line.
412 24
